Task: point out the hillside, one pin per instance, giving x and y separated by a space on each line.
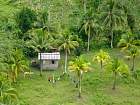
69 52
96 90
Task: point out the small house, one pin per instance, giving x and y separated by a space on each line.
49 61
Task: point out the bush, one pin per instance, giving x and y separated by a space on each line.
25 19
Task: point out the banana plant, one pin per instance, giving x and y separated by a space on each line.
18 64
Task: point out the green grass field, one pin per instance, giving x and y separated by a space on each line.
97 89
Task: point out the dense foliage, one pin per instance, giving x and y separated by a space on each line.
29 27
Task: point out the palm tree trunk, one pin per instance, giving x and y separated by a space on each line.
112 38
88 42
1 93
85 7
80 88
40 65
101 65
49 23
13 77
133 64
53 81
101 71
66 60
114 83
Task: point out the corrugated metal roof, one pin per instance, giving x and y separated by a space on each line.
49 56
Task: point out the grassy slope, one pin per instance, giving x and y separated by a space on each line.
96 89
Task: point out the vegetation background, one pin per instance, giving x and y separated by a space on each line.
78 29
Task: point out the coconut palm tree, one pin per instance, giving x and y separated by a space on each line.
79 65
117 67
127 41
90 24
84 2
102 58
130 8
133 53
18 64
130 45
113 17
39 43
67 42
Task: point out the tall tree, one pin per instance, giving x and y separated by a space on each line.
84 6
39 42
130 8
113 17
90 25
67 43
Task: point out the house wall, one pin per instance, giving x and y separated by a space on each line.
50 64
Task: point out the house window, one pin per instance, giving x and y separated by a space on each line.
53 62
